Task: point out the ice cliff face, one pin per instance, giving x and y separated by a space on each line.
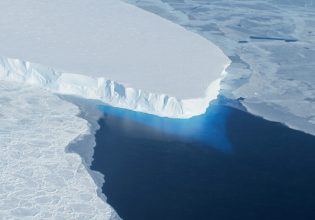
106 90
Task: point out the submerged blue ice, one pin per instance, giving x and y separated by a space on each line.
208 129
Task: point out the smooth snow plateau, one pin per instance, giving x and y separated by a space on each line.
112 51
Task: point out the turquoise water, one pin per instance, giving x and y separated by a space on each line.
226 164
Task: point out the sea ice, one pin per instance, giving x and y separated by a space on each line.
38 178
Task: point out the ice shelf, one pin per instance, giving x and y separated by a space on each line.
112 51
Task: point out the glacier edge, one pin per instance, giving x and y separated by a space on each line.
106 90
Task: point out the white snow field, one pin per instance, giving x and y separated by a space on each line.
112 51
271 44
38 179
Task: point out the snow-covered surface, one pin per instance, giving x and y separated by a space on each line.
38 179
111 39
274 76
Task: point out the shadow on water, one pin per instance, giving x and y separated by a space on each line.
225 165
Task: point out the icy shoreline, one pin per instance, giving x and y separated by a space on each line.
105 90
85 144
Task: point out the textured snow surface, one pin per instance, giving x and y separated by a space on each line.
111 39
108 91
38 179
271 44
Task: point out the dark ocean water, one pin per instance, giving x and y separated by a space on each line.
224 165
